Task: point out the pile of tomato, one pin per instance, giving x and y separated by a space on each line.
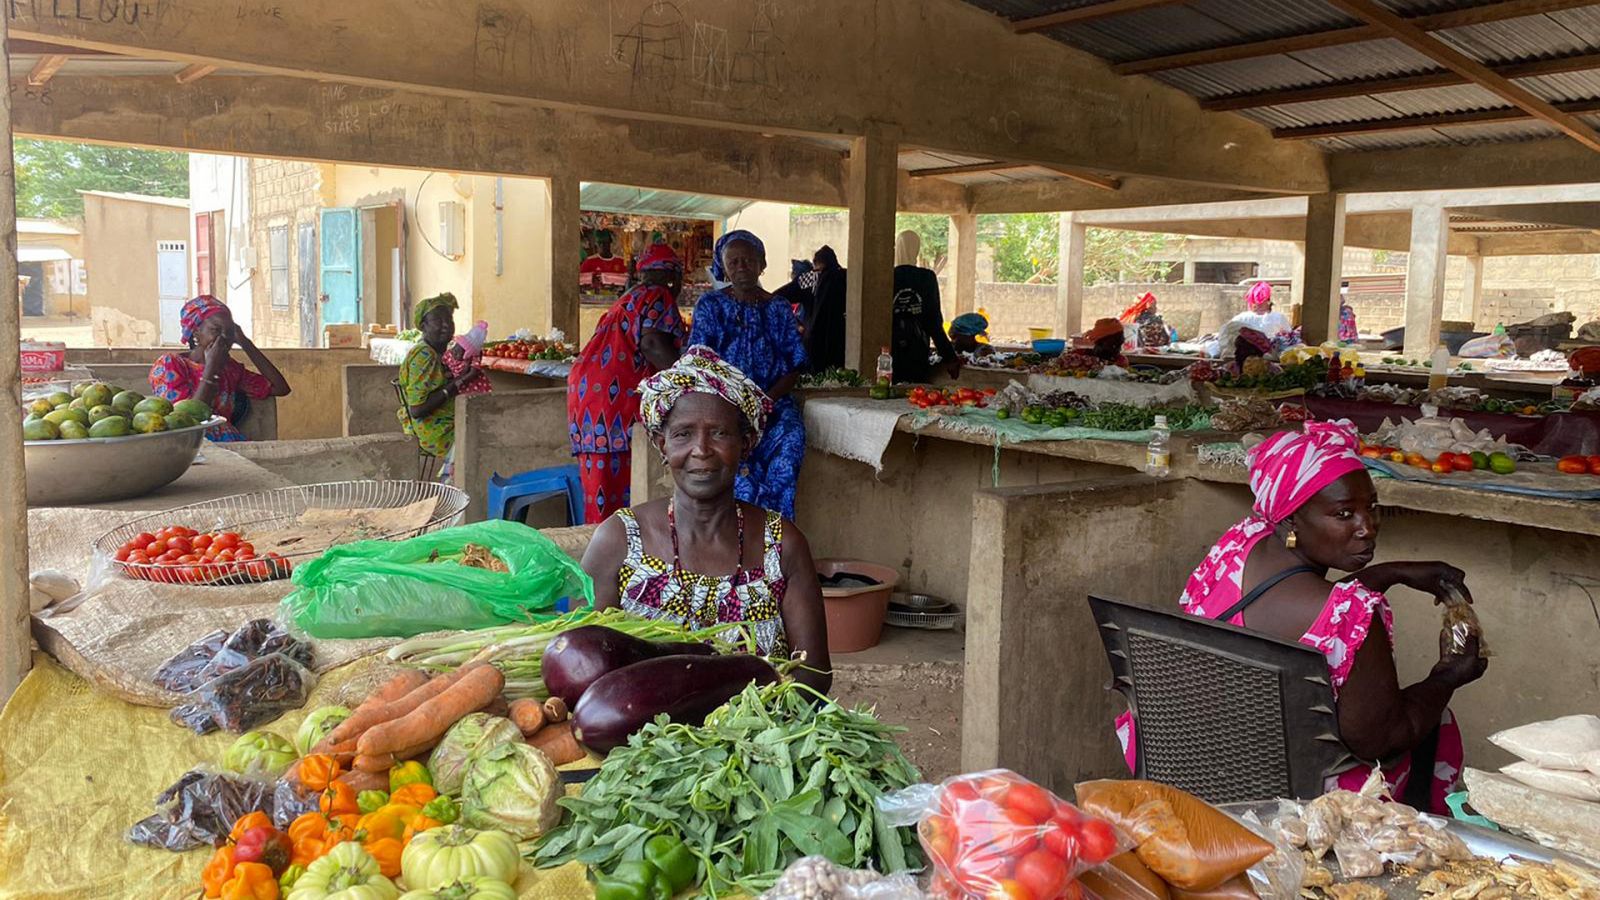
1497 462
555 350
926 397
178 555
999 836
1578 465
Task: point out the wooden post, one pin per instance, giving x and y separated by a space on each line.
869 303
16 655
1069 281
1324 264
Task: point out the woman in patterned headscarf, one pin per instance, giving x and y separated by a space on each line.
429 389
1315 512
208 374
640 334
699 558
759 334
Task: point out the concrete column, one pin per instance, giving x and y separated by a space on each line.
1472 290
561 254
1430 241
1069 281
15 653
874 177
1188 271
963 265
1297 269
1324 262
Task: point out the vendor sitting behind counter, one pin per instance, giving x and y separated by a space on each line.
1316 511
207 373
703 557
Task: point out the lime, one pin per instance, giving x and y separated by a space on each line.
1002 413
1480 459
1502 464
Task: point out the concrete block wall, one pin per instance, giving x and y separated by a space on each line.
282 193
508 431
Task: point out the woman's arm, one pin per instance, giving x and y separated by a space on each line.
1436 578
933 324
439 396
280 385
603 560
1377 717
803 618
785 385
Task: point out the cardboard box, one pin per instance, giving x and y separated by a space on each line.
342 335
43 356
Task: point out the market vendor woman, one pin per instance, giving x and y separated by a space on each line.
703 557
207 373
1316 511
429 390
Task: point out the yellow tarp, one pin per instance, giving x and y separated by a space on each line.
78 767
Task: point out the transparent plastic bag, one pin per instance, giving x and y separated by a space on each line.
1460 623
259 692
818 878
1279 875
1188 842
403 588
1562 743
982 829
199 809
221 652
1124 877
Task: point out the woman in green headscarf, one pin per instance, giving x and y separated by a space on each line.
430 411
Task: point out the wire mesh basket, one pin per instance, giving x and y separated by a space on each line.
262 512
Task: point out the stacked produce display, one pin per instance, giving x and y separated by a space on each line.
95 410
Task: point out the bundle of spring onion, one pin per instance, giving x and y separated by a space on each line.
517 650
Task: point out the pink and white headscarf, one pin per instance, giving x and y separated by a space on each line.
1260 297
1286 470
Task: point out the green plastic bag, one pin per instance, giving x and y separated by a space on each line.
389 588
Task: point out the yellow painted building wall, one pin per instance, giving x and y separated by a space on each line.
119 245
427 272
518 297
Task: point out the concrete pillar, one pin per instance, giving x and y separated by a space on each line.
561 255
1297 271
963 265
1069 281
1430 241
1188 271
15 653
1472 290
1324 263
874 181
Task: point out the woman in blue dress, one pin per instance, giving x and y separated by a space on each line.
759 333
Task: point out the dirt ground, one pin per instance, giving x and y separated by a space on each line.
925 698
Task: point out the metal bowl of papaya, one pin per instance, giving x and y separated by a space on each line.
100 470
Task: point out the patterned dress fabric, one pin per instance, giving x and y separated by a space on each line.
603 396
177 377
421 373
649 587
763 340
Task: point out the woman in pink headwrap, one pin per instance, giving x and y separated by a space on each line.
208 374
1260 316
1316 511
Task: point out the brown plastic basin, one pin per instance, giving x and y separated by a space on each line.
855 615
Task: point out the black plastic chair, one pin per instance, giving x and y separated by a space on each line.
427 463
1221 712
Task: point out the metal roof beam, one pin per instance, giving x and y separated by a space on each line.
1433 120
1362 87
1480 74
1477 15
1085 14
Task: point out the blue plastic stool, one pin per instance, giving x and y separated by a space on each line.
510 497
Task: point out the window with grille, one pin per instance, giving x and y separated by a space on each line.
278 264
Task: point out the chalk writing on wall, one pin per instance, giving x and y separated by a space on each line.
503 47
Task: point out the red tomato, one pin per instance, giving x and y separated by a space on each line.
201 541
1067 815
155 547
1097 840
138 557
1010 890
1062 842
1463 462
188 559
225 556
1594 465
1042 873
957 797
179 543
226 540
122 553
244 547
142 538
258 569
1573 465
1030 799
1073 891
1016 833
1440 467
938 838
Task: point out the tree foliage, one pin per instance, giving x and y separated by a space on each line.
50 174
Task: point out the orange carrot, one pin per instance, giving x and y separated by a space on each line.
434 716
528 715
362 780
371 713
497 707
557 742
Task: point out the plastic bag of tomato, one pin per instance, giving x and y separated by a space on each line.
179 555
926 397
998 836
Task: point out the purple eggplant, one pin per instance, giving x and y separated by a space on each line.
576 658
686 688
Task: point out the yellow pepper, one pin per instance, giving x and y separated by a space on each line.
412 772
388 821
417 793
386 851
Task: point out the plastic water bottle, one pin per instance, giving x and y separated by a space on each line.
1158 456
885 373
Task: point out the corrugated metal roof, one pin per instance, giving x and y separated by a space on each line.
1205 24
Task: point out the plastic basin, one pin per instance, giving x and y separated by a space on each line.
1049 347
1039 334
855 614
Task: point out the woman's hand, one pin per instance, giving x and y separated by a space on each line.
1440 579
1458 669
460 381
218 351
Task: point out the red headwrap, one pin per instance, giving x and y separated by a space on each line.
659 256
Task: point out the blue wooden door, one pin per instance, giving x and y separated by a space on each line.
341 265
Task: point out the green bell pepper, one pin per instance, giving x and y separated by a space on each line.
370 801
442 809
637 880
673 860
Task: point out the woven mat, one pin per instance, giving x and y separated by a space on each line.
78 767
118 636
853 427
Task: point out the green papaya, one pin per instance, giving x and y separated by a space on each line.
110 427
158 405
73 430
100 412
40 430
193 408
98 395
149 422
178 420
126 401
